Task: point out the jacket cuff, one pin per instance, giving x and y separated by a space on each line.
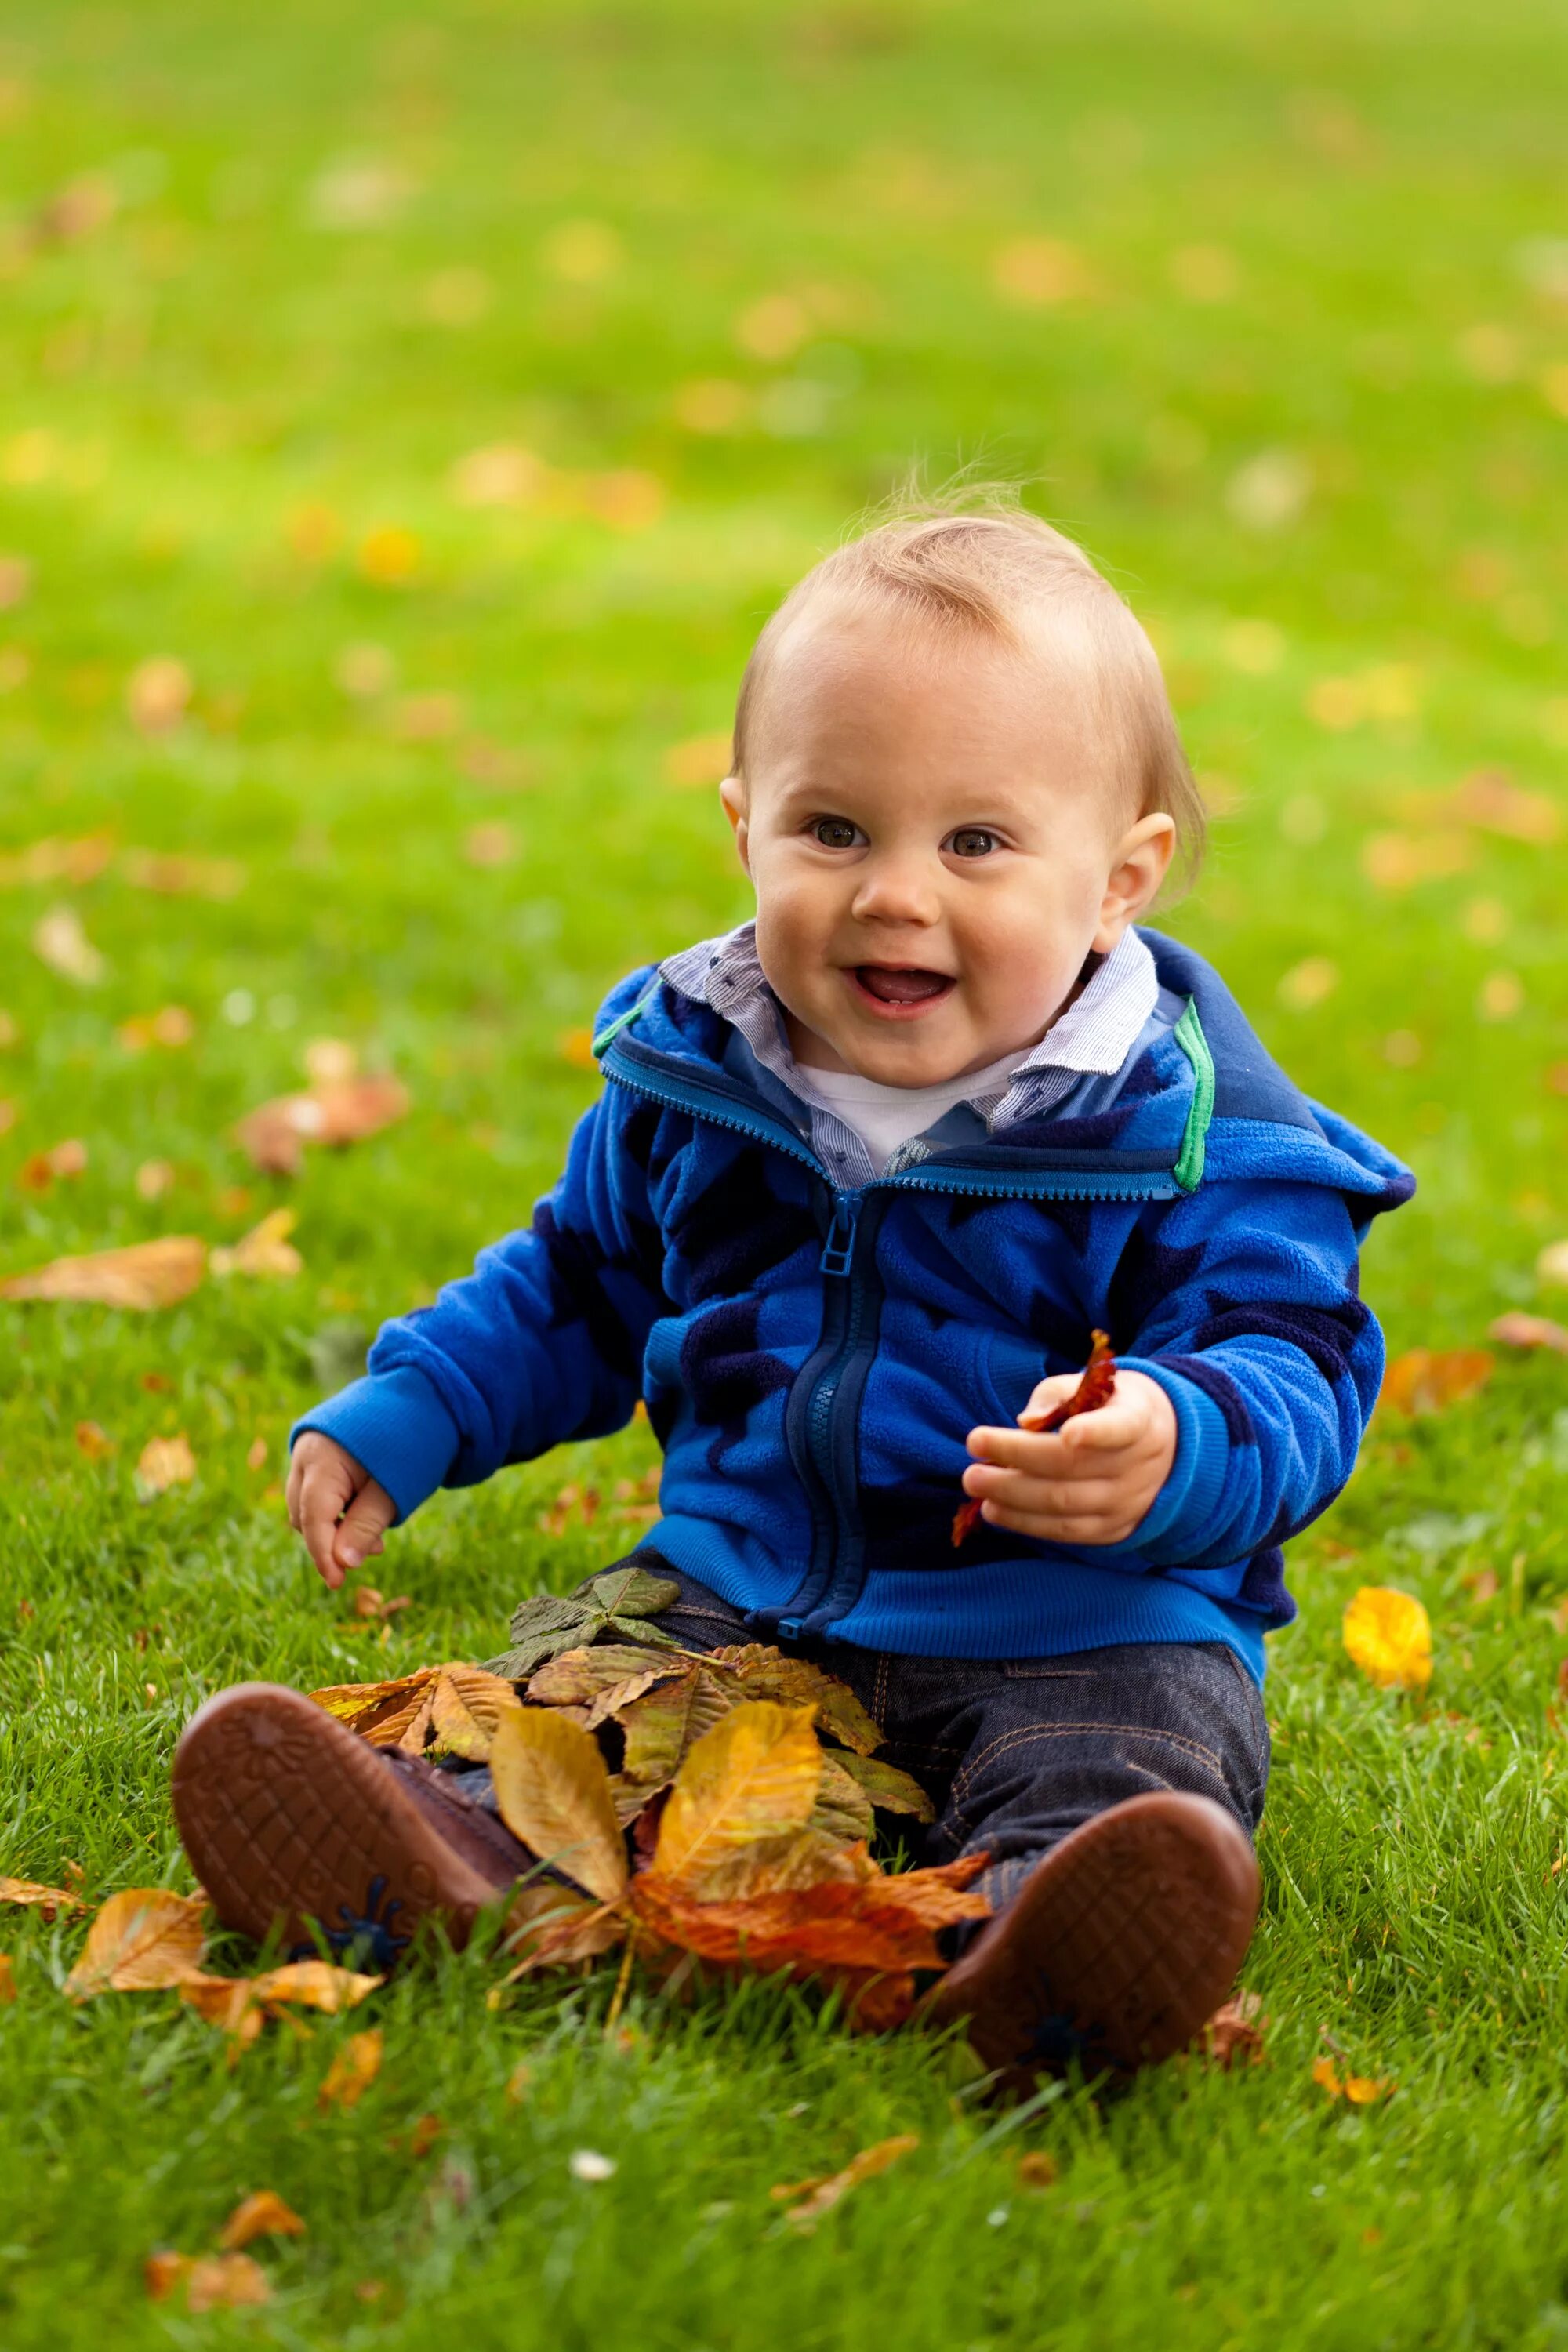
1178 1520
397 1427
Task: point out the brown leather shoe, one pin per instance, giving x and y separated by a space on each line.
1118 1947
289 1818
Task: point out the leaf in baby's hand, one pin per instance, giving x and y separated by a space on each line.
275 1134
1388 1635
754 1775
809 2199
144 1938
261 2215
146 1275
1422 1382
966 1519
1095 1389
352 2071
553 1793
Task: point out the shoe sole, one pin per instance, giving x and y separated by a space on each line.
291 1821
1120 1945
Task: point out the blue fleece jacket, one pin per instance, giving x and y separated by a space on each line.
812 1359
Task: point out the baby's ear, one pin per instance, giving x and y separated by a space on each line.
1138 868
732 795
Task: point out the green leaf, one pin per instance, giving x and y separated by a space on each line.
890 1790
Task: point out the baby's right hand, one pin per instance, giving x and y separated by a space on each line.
327 1485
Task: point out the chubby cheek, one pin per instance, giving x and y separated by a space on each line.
1024 961
794 922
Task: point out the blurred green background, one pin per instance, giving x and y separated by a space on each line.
407 419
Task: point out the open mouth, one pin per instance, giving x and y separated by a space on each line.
900 988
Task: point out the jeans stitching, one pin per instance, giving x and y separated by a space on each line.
1260 1720
1009 1739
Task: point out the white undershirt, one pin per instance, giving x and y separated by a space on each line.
886 1117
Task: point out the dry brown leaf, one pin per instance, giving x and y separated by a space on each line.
144 1937
49 1900
57 861
879 1924
264 1253
165 1462
261 2215
157 694
467 1707
162 2274
1037 2169
226 2282
59 941
754 1775
276 1133
767 1673
1234 2034
146 1275
172 875
553 1793
7 1980
382 1712
1517 1330
352 2070
809 2200
367 1600
1423 1381
93 1442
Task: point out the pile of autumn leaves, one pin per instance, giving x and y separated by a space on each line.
682 1805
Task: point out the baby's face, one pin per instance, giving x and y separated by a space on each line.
934 840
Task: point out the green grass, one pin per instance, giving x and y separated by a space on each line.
207 401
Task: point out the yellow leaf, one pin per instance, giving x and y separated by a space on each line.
1365 2090
809 2200
240 2004
555 1794
1422 1381
467 1706
165 1462
266 1252
48 1899
145 1275
1325 2073
754 1777
157 694
262 2215
222 2282
352 2071
142 1938
1389 1636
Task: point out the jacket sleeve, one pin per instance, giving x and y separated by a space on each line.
1245 1310
543 1342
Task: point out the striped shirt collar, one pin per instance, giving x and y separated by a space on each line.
1095 1034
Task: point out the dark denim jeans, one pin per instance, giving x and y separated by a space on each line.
1015 1753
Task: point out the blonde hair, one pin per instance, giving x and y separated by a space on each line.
976 559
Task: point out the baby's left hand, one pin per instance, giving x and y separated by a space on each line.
1091 1481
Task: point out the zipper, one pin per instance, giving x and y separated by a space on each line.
821 1416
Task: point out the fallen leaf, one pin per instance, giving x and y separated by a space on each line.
576 1047
255 1454
144 1937
555 1927
662 1726
1422 1382
554 1793
389 555
381 1712
226 2282
421 2136
241 2005
352 2071
146 1275
7 1980
1388 1635
494 843
92 1442
172 875
1235 2032
890 1790
467 1707
619 1604
367 1602
264 1253
1361 2090
765 1672
59 941
275 1134
1516 1330
162 2274
261 2215
38 1173
809 2200
157 694
1037 2169
56 861
165 1462
49 1900
153 1179
1551 1266
750 1779
170 1028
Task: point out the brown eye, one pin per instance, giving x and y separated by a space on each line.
836 833
973 841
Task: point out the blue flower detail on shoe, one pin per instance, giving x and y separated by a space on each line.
370 1936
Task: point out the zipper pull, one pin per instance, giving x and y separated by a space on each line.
838 1250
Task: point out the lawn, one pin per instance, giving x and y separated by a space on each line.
404 421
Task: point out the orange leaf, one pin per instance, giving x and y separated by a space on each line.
380 1712
162 2272
1388 1635
146 1275
810 1930
48 1899
352 2071
1235 2032
809 2200
142 1938
262 2215
276 1133
1326 2074
224 2282
7 1980
466 1707
165 1462
1421 1381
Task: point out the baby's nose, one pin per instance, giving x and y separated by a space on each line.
897 890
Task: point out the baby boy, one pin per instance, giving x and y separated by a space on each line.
862 1179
